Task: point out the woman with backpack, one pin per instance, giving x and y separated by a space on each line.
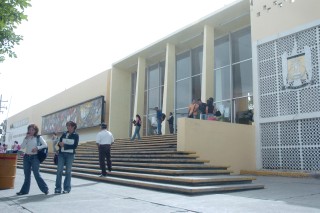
137 123
31 160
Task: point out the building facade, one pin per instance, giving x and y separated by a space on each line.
259 57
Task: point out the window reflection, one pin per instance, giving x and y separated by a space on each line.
183 66
153 94
233 87
244 110
183 97
241 45
221 52
242 79
222 83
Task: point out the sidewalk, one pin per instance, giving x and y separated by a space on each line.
281 194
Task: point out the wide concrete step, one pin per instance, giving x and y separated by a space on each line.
175 188
143 160
129 143
131 149
173 166
95 151
155 163
158 171
189 180
158 156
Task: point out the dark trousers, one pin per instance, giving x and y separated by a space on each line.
171 128
104 153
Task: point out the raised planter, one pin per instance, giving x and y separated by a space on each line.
8 166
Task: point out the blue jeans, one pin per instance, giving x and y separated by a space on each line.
136 133
64 159
159 127
32 162
203 116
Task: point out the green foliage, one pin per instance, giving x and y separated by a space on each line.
11 15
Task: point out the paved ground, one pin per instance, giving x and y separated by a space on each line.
280 195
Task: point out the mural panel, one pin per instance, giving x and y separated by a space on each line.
86 114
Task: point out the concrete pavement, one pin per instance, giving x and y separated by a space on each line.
282 194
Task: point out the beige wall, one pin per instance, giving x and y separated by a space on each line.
90 88
224 144
280 19
120 89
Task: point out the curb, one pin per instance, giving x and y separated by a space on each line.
277 173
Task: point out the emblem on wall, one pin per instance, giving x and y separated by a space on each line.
296 68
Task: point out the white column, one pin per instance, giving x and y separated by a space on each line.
139 96
169 82
207 84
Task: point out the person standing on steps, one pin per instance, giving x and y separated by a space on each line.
104 141
137 123
67 150
170 120
31 161
159 119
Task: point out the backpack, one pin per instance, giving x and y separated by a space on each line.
42 153
163 117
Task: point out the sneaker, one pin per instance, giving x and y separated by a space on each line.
47 192
66 192
102 175
57 192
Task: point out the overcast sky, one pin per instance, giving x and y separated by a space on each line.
68 41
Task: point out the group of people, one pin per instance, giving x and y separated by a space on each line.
65 147
160 117
204 111
3 148
14 148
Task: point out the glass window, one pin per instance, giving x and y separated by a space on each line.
197 55
225 109
162 72
222 83
221 52
196 87
145 102
242 79
181 113
154 76
241 45
244 110
146 79
183 97
183 66
153 99
151 124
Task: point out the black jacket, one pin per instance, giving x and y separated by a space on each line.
73 136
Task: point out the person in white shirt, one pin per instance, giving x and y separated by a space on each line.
104 141
31 161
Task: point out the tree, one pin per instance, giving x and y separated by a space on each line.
11 15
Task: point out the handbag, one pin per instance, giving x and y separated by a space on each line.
42 153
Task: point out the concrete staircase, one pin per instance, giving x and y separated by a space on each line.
154 163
